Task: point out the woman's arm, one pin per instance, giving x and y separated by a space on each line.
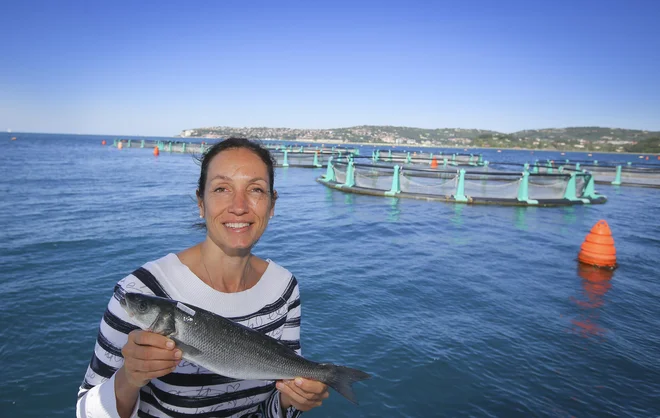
124 360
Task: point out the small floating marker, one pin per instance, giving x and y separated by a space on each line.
120 145
563 153
499 150
647 158
434 163
156 151
13 138
103 142
588 155
598 247
641 156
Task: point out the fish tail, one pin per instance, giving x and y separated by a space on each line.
342 378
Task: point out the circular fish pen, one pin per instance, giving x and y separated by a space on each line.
475 186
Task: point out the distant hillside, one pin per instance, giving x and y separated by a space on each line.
577 138
647 146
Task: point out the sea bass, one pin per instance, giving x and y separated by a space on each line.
231 349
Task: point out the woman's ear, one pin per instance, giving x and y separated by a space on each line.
200 204
272 205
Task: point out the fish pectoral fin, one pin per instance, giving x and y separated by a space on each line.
164 324
186 348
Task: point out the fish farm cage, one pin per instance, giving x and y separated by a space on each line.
480 185
429 158
285 156
614 173
309 156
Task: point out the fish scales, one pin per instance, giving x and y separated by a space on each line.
212 335
231 349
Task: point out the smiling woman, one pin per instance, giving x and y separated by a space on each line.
134 371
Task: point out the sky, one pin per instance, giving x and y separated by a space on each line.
159 67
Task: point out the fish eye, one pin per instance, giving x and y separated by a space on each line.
142 306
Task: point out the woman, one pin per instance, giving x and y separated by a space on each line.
140 373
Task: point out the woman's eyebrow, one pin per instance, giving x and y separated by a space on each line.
222 177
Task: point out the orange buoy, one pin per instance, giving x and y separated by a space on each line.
647 158
434 163
103 142
156 151
120 145
598 247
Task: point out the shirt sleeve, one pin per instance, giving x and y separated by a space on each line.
96 396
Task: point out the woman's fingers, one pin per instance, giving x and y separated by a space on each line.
310 386
308 389
148 355
150 339
304 394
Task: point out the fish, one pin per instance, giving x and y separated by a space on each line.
231 349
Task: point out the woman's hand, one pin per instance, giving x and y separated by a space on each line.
148 355
303 394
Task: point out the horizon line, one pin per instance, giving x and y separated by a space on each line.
9 131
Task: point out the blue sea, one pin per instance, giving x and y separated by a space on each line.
456 310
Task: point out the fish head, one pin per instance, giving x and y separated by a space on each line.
151 313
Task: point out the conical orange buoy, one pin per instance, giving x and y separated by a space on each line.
156 151
103 142
598 247
434 163
120 145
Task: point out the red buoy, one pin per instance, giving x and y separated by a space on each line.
156 151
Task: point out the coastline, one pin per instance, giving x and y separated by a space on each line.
466 149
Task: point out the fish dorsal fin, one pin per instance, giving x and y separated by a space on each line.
164 324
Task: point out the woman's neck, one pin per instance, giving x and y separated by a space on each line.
227 274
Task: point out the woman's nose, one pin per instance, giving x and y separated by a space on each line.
239 203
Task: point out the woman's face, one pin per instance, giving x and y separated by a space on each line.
237 203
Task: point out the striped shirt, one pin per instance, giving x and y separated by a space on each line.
272 306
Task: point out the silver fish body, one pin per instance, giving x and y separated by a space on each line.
230 349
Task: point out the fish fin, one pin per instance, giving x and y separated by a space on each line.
342 378
187 349
164 324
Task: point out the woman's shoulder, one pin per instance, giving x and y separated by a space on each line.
152 276
278 272
280 281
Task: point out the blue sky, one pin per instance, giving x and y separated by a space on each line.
158 67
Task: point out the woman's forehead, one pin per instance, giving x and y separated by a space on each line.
236 163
